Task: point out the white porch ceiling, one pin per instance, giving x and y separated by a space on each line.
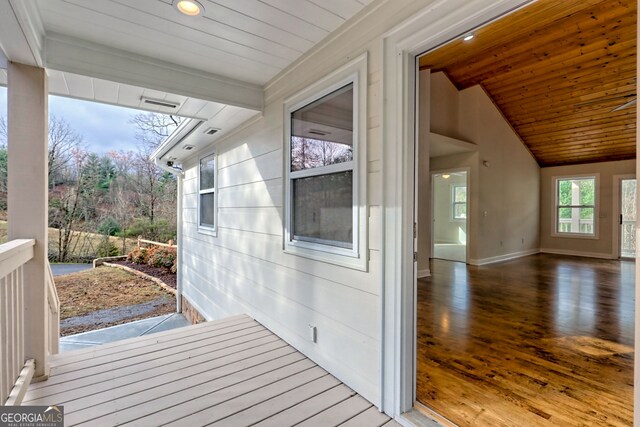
246 40
215 65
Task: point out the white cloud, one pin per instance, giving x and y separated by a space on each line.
103 127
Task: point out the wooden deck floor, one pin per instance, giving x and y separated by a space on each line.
231 372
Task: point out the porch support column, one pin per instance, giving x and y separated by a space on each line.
27 196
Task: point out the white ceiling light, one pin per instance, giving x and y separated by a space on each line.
468 37
189 7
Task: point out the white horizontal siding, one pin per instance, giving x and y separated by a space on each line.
269 248
244 268
325 297
238 295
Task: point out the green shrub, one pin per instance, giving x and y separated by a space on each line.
109 227
138 256
162 257
160 230
106 249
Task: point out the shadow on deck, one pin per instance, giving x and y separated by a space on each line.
230 372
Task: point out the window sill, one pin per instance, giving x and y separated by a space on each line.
213 232
576 236
353 262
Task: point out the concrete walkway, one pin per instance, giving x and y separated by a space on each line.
124 331
62 269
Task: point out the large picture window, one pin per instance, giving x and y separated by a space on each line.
576 206
207 193
324 180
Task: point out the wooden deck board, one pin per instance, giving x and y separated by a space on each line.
232 372
279 403
308 408
175 362
371 417
339 414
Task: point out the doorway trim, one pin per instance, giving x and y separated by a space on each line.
617 188
433 26
467 171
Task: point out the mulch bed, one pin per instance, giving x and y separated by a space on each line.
158 272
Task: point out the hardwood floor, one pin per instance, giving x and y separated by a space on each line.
542 340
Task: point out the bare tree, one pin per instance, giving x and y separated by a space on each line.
153 128
155 189
63 140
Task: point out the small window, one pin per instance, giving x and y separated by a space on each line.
326 169
576 206
207 193
459 202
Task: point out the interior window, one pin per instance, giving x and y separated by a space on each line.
576 205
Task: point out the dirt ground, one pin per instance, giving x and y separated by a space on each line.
106 288
158 272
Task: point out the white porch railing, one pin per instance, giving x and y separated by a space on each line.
15 371
565 225
53 318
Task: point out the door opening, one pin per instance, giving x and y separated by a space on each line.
627 221
450 207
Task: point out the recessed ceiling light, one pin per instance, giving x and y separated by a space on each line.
445 175
189 7
468 37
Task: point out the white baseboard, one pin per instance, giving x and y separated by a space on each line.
424 273
505 257
577 253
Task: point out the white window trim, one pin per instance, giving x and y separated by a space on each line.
596 210
354 72
203 229
454 203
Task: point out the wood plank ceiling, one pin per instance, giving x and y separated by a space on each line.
557 70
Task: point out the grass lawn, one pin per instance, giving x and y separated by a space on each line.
106 288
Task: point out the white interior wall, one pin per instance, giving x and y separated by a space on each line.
504 182
602 246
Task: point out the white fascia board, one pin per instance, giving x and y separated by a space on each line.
21 32
177 136
82 57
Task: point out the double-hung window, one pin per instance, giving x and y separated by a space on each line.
325 129
459 202
576 206
207 194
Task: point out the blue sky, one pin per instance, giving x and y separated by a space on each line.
103 127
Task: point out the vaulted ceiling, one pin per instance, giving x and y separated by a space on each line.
558 70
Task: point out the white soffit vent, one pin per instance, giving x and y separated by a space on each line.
188 147
160 103
211 131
